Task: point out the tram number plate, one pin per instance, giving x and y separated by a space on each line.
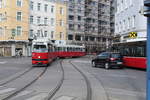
119 62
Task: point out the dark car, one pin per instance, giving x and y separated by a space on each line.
108 60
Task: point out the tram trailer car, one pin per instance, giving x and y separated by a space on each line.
64 51
43 53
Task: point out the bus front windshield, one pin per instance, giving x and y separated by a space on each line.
40 48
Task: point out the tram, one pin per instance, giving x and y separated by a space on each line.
43 53
134 54
70 51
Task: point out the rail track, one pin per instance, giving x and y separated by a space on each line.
14 77
89 88
59 84
25 86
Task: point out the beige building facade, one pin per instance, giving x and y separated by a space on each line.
14 26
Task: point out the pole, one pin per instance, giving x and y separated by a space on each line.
148 58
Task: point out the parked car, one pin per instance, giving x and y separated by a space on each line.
108 60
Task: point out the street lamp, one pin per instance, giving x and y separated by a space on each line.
147 14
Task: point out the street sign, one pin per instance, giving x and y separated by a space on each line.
133 34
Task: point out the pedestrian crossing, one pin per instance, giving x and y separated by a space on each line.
25 95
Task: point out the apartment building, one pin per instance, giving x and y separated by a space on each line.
22 21
129 19
98 36
61 23
75 22
14 26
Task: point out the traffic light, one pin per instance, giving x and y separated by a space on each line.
147 8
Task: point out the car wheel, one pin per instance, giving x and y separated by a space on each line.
106 65
93 64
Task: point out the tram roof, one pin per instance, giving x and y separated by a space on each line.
77 46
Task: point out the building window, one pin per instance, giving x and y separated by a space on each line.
38 20
71 26
61 23
1 31
45 21
61 35
70 37
45 7
130 2
19 16
52 34
1 16
31 19
19 3
31 5
1 3
39 6
79 27
31 33
52 21
133 22
19 30
52 9
45 33
38 33
71 17
79 18
61 10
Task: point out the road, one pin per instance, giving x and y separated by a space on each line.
69 79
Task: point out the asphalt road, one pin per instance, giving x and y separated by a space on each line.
112 84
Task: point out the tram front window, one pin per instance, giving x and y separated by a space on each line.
40 48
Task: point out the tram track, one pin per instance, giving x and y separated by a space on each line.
88 84
25 86
100 81
14 77
59 84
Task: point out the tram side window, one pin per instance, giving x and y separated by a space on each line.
140 52
126 52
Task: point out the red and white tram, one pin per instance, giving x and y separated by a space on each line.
70 51
134 54
43 53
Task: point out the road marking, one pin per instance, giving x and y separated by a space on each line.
65 98
3 62
40 96
7 90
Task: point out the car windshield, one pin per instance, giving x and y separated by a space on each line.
40 48
115 55
103 54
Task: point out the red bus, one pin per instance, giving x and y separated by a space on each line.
134 54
